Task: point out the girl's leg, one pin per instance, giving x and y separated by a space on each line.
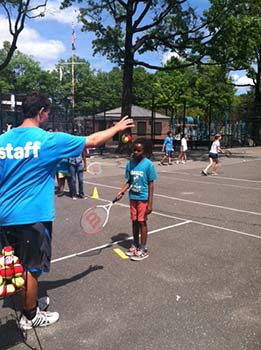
69 183
136 232
209 165
61 184
73 180
215 165
144 234
80 180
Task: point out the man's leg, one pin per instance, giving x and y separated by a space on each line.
30 293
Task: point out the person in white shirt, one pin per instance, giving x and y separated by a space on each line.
182 157
213 155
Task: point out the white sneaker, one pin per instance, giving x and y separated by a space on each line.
43 303
183 162
140 255
41 319
131 251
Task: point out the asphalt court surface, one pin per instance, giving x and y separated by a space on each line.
200 287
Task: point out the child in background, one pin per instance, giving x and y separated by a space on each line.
182 157
167 148
140 174
63 173
213 155
77 166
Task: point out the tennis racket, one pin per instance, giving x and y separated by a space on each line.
94 219
94 168
227 153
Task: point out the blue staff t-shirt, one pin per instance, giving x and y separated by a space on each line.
139 174
28 161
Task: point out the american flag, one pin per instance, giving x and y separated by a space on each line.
73 39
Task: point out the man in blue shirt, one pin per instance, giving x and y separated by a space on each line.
28 160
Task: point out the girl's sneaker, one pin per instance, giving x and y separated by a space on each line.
140 255
131 251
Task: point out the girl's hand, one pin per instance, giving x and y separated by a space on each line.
119 195
149 209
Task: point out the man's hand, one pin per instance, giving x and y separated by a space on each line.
125 123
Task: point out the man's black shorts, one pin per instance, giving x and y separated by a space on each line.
31 243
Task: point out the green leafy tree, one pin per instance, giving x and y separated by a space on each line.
23 74
16 13
142 87
196 88
137 27
238 44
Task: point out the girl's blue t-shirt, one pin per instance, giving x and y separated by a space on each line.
28 161
139 174
168 142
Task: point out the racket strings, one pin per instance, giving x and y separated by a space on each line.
94 168
94 219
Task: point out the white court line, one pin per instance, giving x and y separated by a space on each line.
214 182
209 205
107 245
199 223
116 242
186 200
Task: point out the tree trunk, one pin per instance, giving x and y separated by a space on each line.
127 82
258 78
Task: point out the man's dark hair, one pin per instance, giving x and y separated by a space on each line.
33 103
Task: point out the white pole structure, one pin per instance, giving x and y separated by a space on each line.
73 79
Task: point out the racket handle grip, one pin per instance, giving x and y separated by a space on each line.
116 199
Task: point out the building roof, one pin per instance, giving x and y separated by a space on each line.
136 112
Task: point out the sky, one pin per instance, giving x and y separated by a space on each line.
47 39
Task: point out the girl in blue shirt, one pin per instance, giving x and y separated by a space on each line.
140 174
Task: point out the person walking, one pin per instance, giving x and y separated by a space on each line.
63 175
140 174
77 167
29 157
182 157
213 160
168 149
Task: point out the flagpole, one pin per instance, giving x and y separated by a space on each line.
73 80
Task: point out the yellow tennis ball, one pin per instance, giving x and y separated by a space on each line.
18 281
10 289
1 280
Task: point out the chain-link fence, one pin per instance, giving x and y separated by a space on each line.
240 126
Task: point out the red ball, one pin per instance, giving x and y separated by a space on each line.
2 291
126 138
8 250
18 270
7 272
